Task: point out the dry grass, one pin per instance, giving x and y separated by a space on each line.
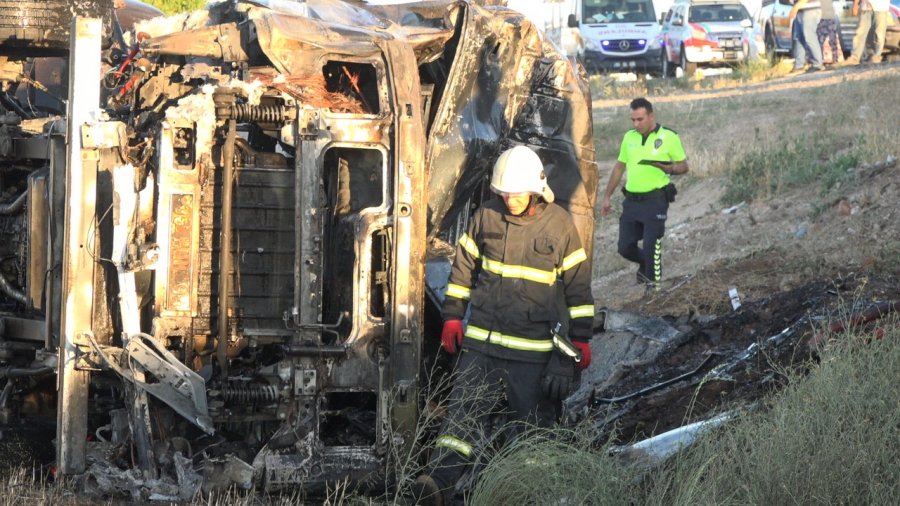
720 131
751 72
558 466
831 437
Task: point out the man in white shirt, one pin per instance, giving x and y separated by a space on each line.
870 12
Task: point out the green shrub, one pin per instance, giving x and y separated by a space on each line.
176 6
754 70
554 467
766 172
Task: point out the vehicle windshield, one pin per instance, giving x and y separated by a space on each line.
618 11
717 13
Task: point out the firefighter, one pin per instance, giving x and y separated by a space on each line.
649 154
522 273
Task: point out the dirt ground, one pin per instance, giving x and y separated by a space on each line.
803 233
761 248
799 260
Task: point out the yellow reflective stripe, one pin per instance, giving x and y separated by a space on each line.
469 245
518 271
460 292
581 311
457 445
511 342
657 261
575 258
565 347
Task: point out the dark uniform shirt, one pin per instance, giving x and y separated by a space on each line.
509 269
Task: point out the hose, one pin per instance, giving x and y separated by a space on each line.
12 105
16 205
225 260
25 372
12 292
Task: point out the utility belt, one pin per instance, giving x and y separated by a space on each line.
667 192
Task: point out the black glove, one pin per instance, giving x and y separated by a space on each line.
559 377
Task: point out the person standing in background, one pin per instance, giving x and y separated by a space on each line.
649 154
870 12
806 46
571 41
827 32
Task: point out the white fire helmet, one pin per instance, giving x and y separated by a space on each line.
519 170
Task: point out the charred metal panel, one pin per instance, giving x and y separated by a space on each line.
335 464
357 186
178 224
24 329
264 229
555 120
56 239
38 231
263 251
522 93
45 26
307 310
295 43
78 269
407 310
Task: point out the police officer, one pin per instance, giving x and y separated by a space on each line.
649 154
520 269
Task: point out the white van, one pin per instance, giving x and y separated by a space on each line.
620 35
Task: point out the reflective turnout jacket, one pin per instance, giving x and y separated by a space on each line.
520 275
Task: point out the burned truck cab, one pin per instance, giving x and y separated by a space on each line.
273 238
226 259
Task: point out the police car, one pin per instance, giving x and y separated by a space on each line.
704 33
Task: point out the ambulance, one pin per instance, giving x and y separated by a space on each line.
620 35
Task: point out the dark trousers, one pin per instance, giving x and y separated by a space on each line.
645 221
480 385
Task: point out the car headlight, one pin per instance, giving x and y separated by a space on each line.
591 44
655 43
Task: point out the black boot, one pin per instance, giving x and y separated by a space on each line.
426 491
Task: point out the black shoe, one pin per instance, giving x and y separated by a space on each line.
651 289
426 491
641 279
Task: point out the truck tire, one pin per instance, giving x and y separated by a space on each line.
668 70
42 26
771 50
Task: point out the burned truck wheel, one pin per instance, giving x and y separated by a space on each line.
42 26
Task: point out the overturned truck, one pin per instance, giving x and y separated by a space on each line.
216 225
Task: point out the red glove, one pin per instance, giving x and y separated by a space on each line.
585 348
452 336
